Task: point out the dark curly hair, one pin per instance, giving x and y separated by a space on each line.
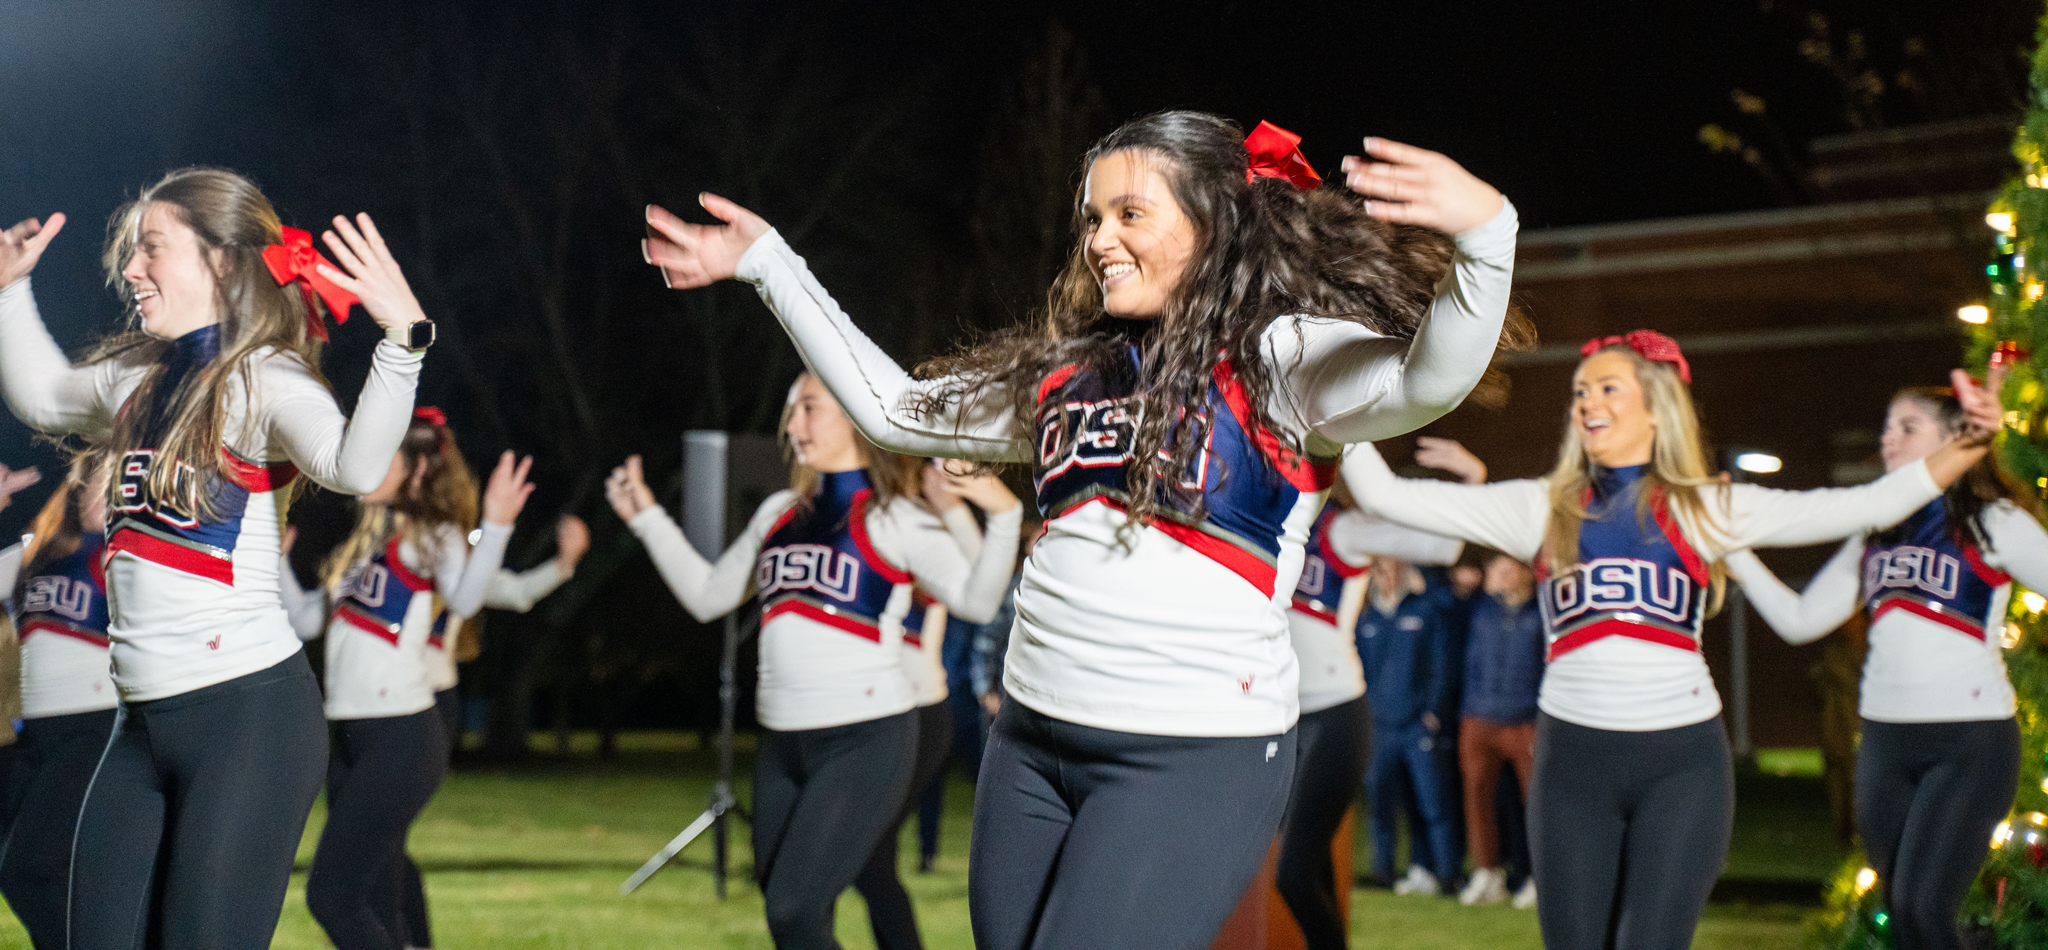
1263 250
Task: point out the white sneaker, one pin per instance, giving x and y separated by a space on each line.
1488 886
1418 881
1525 899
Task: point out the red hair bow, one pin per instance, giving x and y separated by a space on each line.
431 415
1276 153
1648 344
296 260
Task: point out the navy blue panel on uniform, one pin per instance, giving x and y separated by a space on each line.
1323 573
1633 579
68 595
379 595
817 562
1925 567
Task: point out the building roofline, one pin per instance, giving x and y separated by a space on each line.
1767 218
1912 133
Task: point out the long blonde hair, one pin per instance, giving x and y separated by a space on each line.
1678 469
234 223
445 493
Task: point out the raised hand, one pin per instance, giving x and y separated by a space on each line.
572 541
693 255
373 276
15 479
505 494
938 486
1450 456
627 490
1409 185
983 490
1983 416
22 246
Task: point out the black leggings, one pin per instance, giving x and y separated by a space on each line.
1629 831
419 931
1928 796
194 815
46 786
822 799
1330 754
889 910
382 774
1091 838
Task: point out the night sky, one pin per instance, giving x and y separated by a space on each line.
1581 112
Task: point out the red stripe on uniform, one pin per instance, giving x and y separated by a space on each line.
857 524
63 630
1952 621
1337 564
254 477
1618 628
1305 474
174 556
412 582
369 625
810 611
1985 572
1312 609
1055 380
1241 562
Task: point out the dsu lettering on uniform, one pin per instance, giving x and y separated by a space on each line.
1181 628
61 620
1936 601
1624 623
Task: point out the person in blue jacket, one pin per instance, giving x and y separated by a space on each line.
1409 637
1503 670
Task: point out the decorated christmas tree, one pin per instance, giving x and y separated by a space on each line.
2008 907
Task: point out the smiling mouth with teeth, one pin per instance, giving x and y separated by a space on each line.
1114 271
142 295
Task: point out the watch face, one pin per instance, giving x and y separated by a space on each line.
422 335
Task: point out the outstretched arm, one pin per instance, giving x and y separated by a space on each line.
708 591
1506 516
464 573
1351 384
877 394
519 591
38 382
1829 601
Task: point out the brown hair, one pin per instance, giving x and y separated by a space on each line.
59 526
234 223
1986 482
444 493
1263 250
888 473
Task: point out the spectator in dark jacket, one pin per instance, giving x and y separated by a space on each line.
1503 669
1408 637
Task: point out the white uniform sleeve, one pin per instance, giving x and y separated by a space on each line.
1752 516
708 591
960 524
1506 516
1831 598
347 455
306 609
875 391
2018 545
10 568
39 383
914 539
465 573
1358 537
519 591
1350 384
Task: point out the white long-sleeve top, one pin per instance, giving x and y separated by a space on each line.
814 674
61 622
924 648
516 591
1339 550
1154 636
1622 683
1937 615
388 609
187 613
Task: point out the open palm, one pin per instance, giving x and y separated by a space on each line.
693 255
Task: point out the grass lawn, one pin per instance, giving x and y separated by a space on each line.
533 858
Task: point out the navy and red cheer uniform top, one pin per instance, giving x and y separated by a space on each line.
1636 577
381 594
1247 481
67 597
1323 573
1926 567
817 563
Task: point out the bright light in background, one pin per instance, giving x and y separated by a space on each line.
1864 879
1759 462
2000 221
1974 313
2002 834
2034 602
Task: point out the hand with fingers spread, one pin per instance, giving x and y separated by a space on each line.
22 246
1450 456
373 276
937 486
15 479
627 490
983 490
694 255
1409 185
506 492
572 541
1983 415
